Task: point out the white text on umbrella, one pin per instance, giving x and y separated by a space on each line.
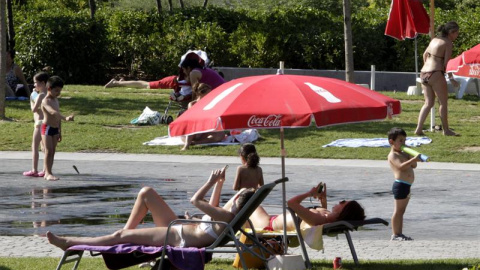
222 95
324 93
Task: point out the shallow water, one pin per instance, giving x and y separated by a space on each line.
99 199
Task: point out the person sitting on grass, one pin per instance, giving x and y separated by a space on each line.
199 91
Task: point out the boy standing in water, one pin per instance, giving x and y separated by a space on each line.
51 126
40 81
402 166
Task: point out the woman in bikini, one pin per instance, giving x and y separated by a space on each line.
344 210
181 235
435 59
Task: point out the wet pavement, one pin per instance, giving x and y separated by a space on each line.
444 211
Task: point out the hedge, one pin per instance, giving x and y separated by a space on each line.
148 45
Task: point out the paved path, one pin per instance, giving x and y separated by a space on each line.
442 217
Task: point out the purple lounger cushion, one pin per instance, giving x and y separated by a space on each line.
126 255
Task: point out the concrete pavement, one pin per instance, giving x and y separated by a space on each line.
442 216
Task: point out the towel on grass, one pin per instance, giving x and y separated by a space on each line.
165 140
237 137
377 142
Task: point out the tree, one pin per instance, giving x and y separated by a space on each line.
93 8
11 30
170 5
205 3
181 4
3 56
347 26
159 6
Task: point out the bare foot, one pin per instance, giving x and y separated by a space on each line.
450 133
419 132
111 83
57 241
51 177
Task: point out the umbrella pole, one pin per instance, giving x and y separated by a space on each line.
284 196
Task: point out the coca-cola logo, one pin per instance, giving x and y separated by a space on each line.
474 70
268 121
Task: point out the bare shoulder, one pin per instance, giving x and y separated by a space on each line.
392 155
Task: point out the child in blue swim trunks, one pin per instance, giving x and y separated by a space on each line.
402 166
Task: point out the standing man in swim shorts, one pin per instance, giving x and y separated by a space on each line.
51 126
402 166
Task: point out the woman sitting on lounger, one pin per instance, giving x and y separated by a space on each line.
345 210
180 235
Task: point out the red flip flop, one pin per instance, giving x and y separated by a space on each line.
30 173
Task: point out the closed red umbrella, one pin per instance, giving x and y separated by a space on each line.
283 101
467 64
406 19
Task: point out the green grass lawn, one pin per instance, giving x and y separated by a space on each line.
103 117
217 264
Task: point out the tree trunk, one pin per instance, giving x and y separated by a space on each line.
205 3
159 6
93 8
20 2
11 30
181 4
170 5
3 56
347 26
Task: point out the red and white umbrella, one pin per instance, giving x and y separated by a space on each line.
276 101
283 101
406 19
467 64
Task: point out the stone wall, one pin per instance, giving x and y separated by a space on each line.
384 81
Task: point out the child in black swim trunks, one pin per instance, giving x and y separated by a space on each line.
51 125
402 166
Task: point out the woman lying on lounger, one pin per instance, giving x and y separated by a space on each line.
181 235
345 210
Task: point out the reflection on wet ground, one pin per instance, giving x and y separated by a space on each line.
99 202
83 204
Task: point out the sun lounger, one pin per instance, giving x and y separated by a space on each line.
121 256
330 229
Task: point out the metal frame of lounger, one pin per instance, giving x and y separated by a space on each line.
229 234
221 245
345 226
333 228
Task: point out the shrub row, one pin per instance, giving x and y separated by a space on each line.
149 45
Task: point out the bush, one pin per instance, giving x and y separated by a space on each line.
71 43
148 45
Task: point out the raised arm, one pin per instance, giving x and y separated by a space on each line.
198 199
217 190
310 217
